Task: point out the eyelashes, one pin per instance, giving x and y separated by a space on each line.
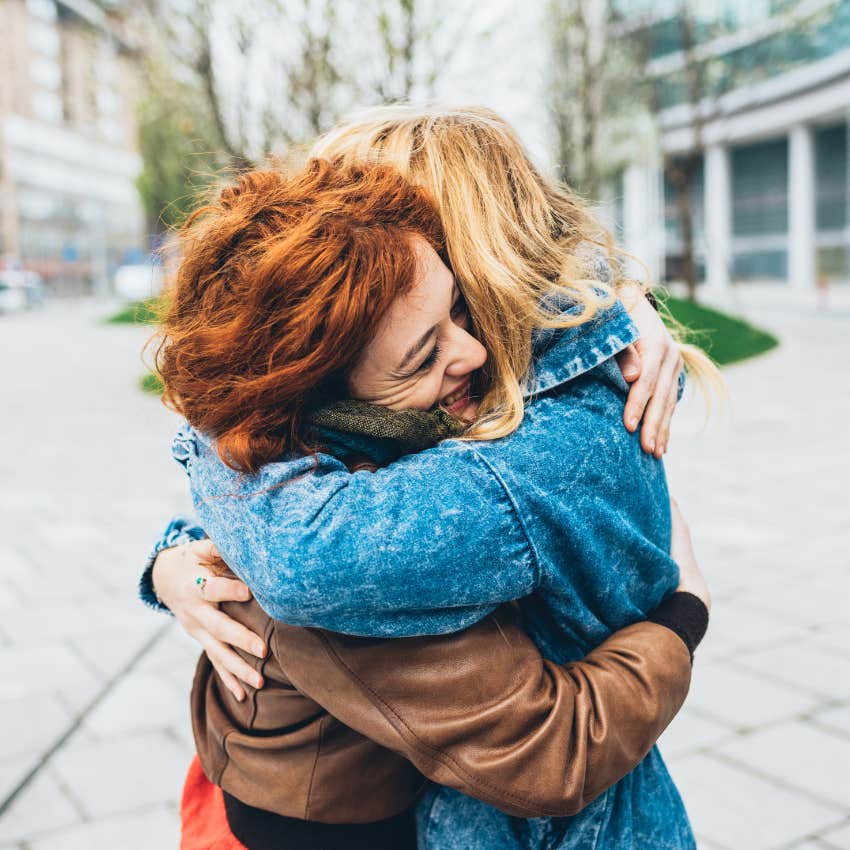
431 359
459 314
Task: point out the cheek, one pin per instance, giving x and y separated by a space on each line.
415 394
420 395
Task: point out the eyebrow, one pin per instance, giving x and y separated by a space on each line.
420 343
416 347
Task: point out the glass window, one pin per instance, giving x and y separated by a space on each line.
760 188
831 177
760 265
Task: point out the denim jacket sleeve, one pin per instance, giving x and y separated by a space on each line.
428 545
181 529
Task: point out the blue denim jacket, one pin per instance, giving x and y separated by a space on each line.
567 514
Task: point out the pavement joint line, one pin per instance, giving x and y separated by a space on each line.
745 731
815 838
840 810
825 726
78 721
770 678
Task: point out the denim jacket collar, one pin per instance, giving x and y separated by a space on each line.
560 355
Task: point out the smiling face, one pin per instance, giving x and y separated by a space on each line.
423 354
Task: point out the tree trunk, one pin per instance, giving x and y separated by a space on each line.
681 175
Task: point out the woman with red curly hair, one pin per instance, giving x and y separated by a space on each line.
296 295
283 286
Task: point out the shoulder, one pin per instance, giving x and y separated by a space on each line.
573 429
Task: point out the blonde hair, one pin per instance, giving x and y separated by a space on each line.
517 241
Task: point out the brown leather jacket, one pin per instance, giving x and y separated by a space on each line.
346 728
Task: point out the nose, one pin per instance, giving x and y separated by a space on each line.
466 354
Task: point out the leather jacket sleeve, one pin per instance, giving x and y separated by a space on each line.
482 712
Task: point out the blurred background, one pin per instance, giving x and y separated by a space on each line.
711 136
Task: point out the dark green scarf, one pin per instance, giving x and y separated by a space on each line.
355 428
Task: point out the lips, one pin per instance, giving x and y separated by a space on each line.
457 400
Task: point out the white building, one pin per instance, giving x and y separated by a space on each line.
68 159
773 187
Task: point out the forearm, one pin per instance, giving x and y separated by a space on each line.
482 712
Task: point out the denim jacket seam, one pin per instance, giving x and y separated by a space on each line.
319 742
516 512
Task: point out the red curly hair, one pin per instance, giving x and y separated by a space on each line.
282 284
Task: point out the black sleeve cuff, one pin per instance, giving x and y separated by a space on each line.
652 298
684 614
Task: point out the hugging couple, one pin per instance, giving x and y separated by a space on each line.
444 598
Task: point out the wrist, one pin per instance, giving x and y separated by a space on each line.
156 577
147 591
685 614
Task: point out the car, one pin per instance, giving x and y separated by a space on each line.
19 290
13 299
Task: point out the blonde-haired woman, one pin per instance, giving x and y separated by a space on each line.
520 245
566 513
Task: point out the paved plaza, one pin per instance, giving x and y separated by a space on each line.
95 734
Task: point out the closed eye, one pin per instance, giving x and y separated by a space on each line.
431 359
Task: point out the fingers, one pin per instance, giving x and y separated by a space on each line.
230 663
217 589
229 680
670 409
226 630
231 683
642 390
203 550
629 361
653 436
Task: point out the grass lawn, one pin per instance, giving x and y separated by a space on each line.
137 313
151 383
725 338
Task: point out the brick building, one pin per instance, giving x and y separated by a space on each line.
68 157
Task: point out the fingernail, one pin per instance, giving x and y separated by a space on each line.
633 423
651 446
259 650
258 682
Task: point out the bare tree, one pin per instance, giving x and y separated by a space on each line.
415 43
259 97
577 82
682 169
278 73
589 92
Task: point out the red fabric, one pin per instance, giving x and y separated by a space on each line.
203 820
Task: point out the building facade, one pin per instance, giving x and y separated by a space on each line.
69 209
771 185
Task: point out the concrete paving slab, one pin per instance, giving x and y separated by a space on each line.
123 775
738 810
798 754
159 828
